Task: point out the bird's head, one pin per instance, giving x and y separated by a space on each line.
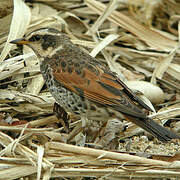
44 42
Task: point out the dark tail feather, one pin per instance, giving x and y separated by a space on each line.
155 129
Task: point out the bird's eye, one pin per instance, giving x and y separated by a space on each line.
35 38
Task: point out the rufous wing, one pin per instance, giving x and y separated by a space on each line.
99 86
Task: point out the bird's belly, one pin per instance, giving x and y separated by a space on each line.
67 99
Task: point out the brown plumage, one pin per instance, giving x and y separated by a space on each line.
82 85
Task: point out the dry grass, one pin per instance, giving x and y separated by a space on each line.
139 40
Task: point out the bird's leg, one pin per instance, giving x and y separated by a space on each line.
78 129
62 116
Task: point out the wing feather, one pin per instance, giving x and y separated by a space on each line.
99 86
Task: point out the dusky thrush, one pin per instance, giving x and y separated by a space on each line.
84 86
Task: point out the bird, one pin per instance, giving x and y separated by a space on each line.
84 86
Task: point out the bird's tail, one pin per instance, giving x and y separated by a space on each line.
158 131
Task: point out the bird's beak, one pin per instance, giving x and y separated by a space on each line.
20 41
